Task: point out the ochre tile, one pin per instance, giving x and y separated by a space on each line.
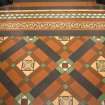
37 78
91 77
52 89
3 90
14 76
40 55
25 88
54 45
79 90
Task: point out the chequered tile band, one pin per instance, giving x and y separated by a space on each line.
39 16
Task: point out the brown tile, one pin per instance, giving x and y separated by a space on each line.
30 46
38 77
54 45
65 55
3 91
102 88
79 90
14 76
91 77
52 89
38 101
25 88
89 55
65 77
10 101
17 55
51 65
75 45
99 46
4 65
40 55
93 101
78 66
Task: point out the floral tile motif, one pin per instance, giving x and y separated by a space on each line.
28 65
99 65
24 99
64 39
65 98
65 66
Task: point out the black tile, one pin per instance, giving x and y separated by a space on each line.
86 84
47 50
82 50
12 50
9 85
55 33
37 90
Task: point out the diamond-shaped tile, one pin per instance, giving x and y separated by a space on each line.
99 65
65 98
64 66
64 39
98 38
24 99
28 65
3 38
31 38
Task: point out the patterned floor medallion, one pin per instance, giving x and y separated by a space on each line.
99 65
28 65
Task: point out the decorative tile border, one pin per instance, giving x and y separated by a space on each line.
52 26
43 22
51 15
72 13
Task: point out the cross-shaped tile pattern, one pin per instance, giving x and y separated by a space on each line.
46 71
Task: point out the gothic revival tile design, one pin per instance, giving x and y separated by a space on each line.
52 70
99 65
28 65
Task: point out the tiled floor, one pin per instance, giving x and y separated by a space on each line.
52 53
54 70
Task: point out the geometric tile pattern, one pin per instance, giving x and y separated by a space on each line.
45 71
99 65
27 65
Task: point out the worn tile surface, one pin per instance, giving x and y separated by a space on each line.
52 70
52 53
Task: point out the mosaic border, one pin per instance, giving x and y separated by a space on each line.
51 15
61 14
52 26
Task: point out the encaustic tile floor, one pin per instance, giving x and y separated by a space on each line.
52 70
43 62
